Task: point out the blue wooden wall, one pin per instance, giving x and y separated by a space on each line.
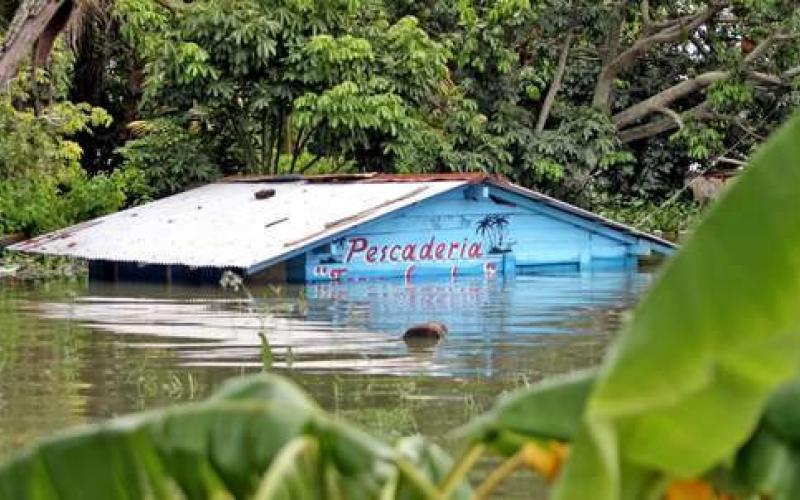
472 230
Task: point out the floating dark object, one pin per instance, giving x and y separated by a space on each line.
430 330
263 194
425 335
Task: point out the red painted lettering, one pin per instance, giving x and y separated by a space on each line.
453 246
359 248
357 245
440 248
425 252
475 251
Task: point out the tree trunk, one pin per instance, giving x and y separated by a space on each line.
602 91
278 140
555 85
33 19
266 142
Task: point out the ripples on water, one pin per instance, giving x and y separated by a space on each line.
73 355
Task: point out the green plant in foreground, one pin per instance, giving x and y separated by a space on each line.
259 437
699 397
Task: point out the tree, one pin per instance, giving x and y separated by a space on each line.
594 102
267 78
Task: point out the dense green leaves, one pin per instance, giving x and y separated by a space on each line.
259 437
42 184
170 156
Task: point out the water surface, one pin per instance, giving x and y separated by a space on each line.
71 354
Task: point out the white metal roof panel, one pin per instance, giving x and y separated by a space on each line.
224 225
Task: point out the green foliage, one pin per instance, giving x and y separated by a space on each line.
670 217
549 410
700 140
573 156
43 185
170 156
730 95
354 85
31 144
44 202
258 437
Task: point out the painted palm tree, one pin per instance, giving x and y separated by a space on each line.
484 227
501 223
494 229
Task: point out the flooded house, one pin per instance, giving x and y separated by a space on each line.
348 227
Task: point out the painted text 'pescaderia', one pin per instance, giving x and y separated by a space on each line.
412 252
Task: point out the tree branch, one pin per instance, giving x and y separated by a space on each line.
791 73
666 97
555 85
732 161
766 78
672 31
672 114
761 48
701 111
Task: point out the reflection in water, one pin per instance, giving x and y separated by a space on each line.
77 354
495 326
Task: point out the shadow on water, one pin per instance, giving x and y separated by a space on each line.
75 354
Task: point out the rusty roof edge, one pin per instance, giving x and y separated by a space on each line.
367 177
312 179
586 214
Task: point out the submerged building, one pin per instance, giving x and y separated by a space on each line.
346 227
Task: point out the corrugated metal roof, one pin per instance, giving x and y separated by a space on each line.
224 225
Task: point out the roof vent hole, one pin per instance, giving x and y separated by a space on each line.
263 194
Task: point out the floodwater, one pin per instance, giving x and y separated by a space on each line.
77 353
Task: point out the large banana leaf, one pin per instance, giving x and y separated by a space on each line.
688 379
257 437
549 410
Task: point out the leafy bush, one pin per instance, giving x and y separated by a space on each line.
40 203
32 144
42 184
670 217
170 156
